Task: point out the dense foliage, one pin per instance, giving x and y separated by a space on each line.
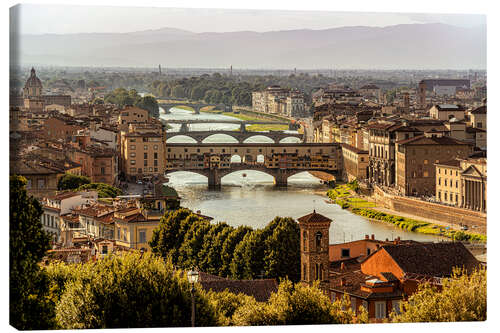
297 304
126 291
122 97
241 253
71 182
233 90
103 190
462 298
28 243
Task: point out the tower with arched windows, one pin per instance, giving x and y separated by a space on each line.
314 243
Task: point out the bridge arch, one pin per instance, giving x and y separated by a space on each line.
204 138
290 139
175 138
259 135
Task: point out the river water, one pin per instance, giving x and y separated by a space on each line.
250 198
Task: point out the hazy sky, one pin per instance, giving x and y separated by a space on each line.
40 19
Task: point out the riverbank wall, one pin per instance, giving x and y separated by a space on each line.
428 210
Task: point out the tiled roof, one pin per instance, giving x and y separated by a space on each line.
64 195
432 259
314 218
425 140
479 110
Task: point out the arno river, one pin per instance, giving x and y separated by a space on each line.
254 201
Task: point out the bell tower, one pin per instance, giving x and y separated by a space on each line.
314 243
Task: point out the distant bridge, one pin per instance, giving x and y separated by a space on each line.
196 106
280 160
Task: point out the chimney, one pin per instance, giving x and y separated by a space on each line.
342 282
198 212
387 239
373 236
342 266
367 237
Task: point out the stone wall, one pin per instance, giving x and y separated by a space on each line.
428 210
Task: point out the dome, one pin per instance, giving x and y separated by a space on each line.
33 80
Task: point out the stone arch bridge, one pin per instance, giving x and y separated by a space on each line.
196 106
279 160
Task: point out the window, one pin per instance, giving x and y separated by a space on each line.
104 249
155 147
133 169
132 147
479 125
380 310
145 156
132 162
156 169
456 184
103 171
150 169
318 237
426 173
396 306
145 164
142 236
445 196
28 185
445 182
155 162
145 147
118 233
41 183
304 240
456 197
439 181
345 253
368 251
132 154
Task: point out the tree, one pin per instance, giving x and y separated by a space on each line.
168 237
228 247
226 303
189 252
461 298
129 291
28 243
103 190
282 254
149 103
247 261
297 304
71 182
209 256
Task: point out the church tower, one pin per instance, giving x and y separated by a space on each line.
314 243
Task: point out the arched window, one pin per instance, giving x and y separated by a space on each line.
319 235
304 240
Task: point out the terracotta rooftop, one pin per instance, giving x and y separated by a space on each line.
64 195
432 259
261 290
314 218
479 110
425 140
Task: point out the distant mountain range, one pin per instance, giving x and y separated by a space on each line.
412 46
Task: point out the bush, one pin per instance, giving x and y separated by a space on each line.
462 298
71 182
129 291
103 190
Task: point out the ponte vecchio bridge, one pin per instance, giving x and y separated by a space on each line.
280 160
240 135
